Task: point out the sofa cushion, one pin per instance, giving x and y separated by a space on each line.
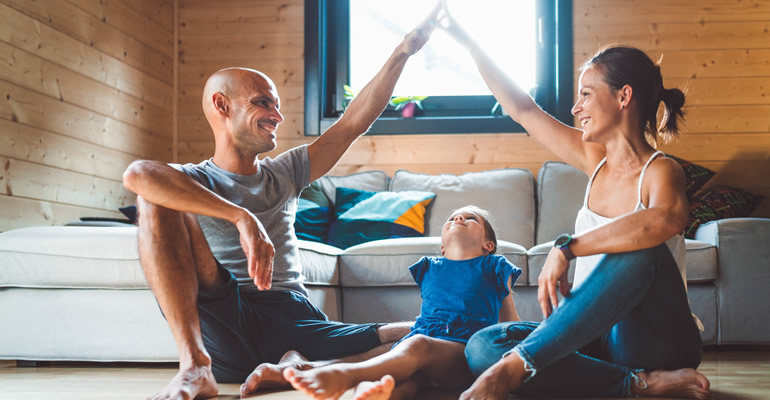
386 262
71 257
720 203
364 216
701 262
373 181
561 190
315 214
319 263
695 175
507 194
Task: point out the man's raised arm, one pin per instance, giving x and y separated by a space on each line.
368 105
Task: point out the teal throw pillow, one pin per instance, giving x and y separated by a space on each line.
364 216
315 214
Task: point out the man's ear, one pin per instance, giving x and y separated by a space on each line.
221 103
488 246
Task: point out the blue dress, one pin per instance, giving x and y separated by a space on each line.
460 298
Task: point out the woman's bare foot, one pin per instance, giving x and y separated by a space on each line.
685 382
271 375
189 383
377 390
320 383
498 381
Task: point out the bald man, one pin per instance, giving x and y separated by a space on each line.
217 243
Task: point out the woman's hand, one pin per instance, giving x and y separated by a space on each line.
451 26
554 272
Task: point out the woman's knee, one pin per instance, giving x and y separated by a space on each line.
488 345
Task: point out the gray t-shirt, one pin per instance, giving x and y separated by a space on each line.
271 195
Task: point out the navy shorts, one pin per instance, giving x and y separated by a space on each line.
244 329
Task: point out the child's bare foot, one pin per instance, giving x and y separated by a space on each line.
320 383
685 382
271 375
189 383
377 390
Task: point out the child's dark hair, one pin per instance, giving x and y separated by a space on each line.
489 230
623 65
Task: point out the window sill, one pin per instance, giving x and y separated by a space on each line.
437 125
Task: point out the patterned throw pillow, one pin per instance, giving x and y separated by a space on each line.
718 203
696 175
364 216
314 214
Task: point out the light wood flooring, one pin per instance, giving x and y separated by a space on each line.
734 375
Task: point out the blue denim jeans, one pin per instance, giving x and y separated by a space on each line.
630 314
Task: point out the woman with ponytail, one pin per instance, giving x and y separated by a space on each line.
624 328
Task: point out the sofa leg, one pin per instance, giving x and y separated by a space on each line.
31 364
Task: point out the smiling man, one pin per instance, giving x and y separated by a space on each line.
217 242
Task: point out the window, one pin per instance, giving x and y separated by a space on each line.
347 41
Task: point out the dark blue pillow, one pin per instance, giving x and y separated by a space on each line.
364 216
314 214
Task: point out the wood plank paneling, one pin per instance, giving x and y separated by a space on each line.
92 31
609 12
22 142
27 70
85 89
274 46
30 35
718 49
160 11
18 212
129 21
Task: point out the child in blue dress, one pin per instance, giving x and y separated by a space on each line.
465 290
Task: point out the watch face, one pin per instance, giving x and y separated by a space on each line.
562 240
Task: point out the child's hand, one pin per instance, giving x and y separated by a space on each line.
554 272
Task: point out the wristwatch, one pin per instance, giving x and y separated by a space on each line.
562 243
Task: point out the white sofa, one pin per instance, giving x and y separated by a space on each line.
78 293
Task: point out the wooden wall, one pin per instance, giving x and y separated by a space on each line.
85 88
88 86
718 49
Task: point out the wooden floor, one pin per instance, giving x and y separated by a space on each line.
734 375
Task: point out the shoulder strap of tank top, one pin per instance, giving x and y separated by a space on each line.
591 181
641 176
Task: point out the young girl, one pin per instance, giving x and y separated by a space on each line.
465 290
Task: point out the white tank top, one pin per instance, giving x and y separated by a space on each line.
587 219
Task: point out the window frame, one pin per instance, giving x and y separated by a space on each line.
327 63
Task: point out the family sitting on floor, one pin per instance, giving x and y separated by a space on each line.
219 251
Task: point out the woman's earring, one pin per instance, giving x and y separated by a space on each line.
622 106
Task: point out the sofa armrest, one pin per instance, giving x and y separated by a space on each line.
743 253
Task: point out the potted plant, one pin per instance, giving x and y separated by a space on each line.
407 104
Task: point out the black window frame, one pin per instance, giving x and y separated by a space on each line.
327 63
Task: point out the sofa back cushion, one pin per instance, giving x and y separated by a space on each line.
372 181
561 189
507 194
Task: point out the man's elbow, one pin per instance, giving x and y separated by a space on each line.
132 174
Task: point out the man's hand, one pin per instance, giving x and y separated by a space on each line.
416 39
554 271
258 248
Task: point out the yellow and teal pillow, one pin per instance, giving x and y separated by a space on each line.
364 216
315 214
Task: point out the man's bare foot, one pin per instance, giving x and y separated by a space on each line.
271 375
377 390
190 383
685 382
497 382
320 383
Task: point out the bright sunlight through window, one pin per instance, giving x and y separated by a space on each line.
505 29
